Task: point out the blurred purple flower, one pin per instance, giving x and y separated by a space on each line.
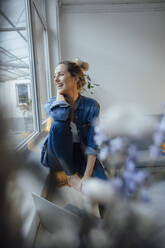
144 195
140 176
117 183
103 154
154 151
118 144
130 165
100 138
127 175
133 178
130 186
132 151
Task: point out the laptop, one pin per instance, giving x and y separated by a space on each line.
54 217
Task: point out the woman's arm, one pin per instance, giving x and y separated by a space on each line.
75 181
90 166
89 169
91 148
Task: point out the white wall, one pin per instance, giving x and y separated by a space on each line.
126 53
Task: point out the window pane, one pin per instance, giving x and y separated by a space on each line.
22 94
40 59
15 80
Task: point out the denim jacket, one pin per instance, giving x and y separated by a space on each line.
85 113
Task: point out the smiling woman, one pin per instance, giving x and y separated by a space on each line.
70 144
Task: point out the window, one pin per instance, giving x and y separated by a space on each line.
22 94
24 86
15 70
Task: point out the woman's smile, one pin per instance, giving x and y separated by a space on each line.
59 85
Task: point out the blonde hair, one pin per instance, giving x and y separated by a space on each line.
76 69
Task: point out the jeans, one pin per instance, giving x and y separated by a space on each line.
64 155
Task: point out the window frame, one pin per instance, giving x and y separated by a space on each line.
41 12
37 124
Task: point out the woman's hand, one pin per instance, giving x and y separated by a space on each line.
60 97
83 180
74 181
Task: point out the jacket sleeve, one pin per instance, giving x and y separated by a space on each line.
91 147
58 110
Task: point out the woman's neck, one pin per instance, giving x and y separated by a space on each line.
71 98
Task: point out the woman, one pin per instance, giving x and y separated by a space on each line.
70 145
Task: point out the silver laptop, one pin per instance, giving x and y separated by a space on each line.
53 217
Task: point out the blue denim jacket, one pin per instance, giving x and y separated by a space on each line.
85 113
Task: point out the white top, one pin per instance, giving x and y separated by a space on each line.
74 131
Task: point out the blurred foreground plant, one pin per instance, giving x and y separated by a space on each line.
114 132
127 223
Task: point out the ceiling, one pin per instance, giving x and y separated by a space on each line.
14 56
109 1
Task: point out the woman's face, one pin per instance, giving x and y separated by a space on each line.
63 80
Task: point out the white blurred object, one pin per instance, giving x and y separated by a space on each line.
98 190
127 120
